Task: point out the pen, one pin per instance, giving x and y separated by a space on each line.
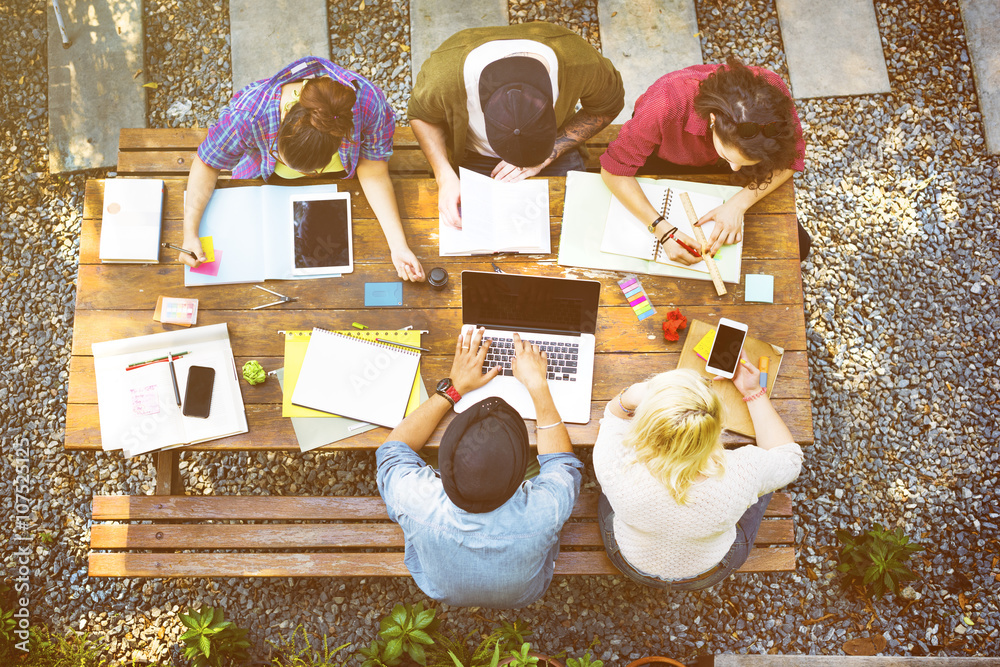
496 269
173 378
358 326
687 247
175 355
763 364
177 247
412 347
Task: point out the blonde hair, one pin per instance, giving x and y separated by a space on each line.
676 431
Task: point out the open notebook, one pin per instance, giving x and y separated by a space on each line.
624 234
356 378
137 408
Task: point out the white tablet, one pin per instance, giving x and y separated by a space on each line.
321 233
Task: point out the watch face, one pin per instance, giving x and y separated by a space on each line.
444 384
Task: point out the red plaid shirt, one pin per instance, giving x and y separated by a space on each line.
665 123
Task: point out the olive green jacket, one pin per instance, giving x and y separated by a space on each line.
439 96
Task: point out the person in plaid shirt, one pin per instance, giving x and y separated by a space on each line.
734 115
313 117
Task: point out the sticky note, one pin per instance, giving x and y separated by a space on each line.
208 248
210 268
759 288
636 297
704 346
383 294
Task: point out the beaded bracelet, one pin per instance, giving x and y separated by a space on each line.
629 413
542 428
754 396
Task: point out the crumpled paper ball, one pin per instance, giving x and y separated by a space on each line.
253 372
672 324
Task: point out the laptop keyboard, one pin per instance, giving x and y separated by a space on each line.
562 357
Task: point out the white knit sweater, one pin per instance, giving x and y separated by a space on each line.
661 538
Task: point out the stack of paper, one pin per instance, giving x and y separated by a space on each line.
499 217
138 410
130 220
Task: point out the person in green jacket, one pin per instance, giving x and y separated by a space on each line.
502 101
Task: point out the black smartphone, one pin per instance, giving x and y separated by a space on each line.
198 393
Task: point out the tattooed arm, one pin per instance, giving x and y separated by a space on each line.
580 127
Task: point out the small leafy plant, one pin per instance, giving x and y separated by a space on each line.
211 640
586 661
521 658
292 655
407 630
875 562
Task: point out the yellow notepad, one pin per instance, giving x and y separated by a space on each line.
296 343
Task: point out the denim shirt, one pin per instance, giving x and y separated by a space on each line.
500 559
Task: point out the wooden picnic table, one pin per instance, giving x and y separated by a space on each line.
117 301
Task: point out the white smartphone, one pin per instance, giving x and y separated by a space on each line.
726 348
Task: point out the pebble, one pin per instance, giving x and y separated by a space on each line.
901 306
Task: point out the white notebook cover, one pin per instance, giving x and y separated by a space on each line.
130 220
356 378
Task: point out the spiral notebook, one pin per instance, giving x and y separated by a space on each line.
624 234
357 378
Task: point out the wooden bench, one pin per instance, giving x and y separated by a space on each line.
163 153
278 544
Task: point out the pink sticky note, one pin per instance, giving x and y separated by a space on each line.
210 268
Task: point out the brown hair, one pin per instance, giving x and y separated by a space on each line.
736 94
313 129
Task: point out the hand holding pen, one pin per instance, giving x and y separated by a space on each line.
191 253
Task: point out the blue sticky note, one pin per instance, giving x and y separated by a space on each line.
759 288
383 294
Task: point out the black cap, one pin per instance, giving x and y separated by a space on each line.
516 96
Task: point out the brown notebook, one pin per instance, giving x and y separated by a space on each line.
737 415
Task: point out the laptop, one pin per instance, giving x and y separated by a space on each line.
558 314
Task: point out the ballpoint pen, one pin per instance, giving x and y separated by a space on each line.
411 347
140 364
180 249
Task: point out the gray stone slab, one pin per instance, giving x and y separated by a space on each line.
266 35
93 87
833 48
982 28
433 21
645 39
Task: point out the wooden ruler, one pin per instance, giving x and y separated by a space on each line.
713 269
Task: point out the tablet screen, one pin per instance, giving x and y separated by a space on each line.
322 233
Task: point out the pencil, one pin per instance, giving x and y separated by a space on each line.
411 347
175 355
687 247
173 378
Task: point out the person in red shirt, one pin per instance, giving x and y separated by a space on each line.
727 115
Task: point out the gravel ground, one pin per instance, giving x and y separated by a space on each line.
904 388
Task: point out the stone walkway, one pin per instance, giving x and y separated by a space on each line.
833 49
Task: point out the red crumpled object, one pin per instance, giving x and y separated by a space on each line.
674 322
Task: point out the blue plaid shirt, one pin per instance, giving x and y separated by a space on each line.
247 130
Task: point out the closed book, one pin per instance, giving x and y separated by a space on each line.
130 220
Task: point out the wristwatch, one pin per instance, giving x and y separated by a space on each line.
447 389
652 226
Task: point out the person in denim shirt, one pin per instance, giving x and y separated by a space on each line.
477 534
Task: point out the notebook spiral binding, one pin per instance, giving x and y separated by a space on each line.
665 212
362 336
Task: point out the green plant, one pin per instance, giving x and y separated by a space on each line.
451 652
372 655
586 661
875 562
293 656
212 641
407 629
513 634
520 659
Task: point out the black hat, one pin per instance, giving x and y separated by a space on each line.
516 97
483 456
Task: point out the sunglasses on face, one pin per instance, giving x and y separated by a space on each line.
750 130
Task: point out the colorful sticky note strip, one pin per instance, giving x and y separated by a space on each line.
636 297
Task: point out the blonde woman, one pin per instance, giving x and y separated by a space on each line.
678 511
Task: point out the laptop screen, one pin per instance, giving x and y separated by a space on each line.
523 303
